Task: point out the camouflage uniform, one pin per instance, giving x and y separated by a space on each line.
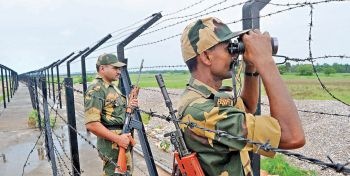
105 103
212 109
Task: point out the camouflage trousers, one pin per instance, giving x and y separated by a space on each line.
109 157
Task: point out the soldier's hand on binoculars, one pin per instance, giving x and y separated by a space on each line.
257 48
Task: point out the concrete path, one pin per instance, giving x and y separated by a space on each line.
18 142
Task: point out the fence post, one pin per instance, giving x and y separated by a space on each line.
125 84
7 86
3 87
50 145
58 85
251 20
72 126
48 81
83 67
10 82
71 60
31 90
37 101
58 77
53 85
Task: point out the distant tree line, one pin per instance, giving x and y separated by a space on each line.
306 69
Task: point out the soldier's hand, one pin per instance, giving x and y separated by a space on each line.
258 50
134 102
124 140
132 141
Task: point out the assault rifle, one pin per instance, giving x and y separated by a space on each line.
127 128
187 161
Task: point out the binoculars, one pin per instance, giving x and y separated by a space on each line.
237 47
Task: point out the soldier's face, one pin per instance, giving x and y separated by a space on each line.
221 60
111 73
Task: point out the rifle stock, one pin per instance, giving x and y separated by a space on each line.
187 162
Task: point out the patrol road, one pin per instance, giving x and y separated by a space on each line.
17 141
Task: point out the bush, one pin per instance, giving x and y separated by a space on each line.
145 118
33 119
329 70
279 166
305 70
282 69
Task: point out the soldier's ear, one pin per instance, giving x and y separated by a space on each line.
205 58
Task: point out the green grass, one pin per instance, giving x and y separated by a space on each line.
300 87
279 166
172 80
308 87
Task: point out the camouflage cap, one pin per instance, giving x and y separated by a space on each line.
109 59
204 34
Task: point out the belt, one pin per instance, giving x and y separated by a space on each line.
114 127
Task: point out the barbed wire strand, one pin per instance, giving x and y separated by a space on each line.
338 167
312 62
31 151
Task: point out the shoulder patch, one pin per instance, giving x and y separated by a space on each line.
223 99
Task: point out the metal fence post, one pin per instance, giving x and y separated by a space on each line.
83 66
31 90
125 84
48 81
7 86
10 82
53 85
48 132
37 107
251 20
71 60
3 87
58 85
72 125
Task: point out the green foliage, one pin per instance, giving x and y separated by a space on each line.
282 69
305 70
279 166
33 119
329 70
79 80
145 118
165 145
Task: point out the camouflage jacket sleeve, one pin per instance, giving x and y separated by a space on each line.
263 128
94 100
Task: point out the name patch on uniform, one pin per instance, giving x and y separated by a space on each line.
223 99
224 102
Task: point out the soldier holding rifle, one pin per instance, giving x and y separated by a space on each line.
105 108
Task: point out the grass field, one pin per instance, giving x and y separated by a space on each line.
301 87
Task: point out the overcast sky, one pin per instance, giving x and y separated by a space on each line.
35 33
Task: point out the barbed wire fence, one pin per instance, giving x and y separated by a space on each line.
122 32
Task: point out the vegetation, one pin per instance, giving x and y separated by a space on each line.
300 87
33 119
165 145
279 166
77 79
145 118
